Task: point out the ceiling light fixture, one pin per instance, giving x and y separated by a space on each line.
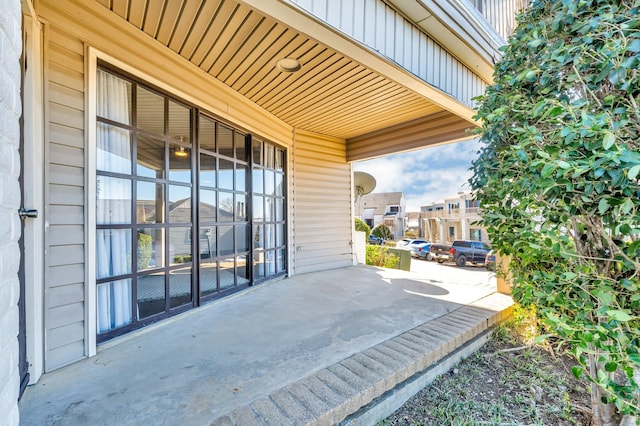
289 65
181 152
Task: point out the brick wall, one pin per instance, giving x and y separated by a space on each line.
10 110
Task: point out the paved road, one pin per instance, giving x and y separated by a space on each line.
450 273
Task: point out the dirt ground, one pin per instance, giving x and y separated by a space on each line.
505 383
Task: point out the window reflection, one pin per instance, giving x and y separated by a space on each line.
179 245
225 140
225 240
179 122
150 252
207 132
239 139
150 111
225 204
225 174
151 297
150 202
207 208
113 149
207 242
179 287
113 252
150 156
227 273
179 163
207 170
113 200
179 204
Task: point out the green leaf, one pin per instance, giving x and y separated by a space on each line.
548 170
611 366
618 315
633 172
626 206
634 46
541 338
577 371
608 140
563 164
603 206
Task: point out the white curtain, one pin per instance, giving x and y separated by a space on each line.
113 204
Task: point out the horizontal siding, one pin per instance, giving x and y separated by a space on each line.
65 355
386 31
65 274
68 334
68 294
64 320
322 203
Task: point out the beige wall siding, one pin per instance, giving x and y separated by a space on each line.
65 292
321 204
382 28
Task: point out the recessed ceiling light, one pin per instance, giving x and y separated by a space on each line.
289 65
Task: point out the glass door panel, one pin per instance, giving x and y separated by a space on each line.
179 287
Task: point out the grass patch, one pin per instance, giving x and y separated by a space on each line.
510 381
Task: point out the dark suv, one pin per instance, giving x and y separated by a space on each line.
463 251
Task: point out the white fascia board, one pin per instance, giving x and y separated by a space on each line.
300 20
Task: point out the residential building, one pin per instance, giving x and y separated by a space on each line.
176 152
386 208
413 222
454 218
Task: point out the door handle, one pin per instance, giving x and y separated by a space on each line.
32 213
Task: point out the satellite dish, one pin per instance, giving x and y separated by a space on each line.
363 183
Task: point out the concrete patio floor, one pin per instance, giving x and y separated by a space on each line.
209 364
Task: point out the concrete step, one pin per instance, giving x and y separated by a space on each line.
367 386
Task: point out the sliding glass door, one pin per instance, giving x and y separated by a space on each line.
173 206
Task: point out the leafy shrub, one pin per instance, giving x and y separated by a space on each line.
558 183
380 256
382 231
361 225
145 242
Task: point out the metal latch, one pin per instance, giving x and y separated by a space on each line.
32 213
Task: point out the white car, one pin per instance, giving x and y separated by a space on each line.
409 243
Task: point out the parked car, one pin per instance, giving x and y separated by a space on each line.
375 240
421 251
403 242
409 243
461 252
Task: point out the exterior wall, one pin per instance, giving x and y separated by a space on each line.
64 200
377 25
322 224
10 110
500 14
69 277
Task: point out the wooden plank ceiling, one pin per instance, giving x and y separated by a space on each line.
331 95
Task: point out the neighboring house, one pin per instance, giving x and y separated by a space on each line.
452 219
256 107
413 222
386 208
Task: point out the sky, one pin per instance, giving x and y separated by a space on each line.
424 176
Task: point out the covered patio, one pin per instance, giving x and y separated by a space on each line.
313 348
